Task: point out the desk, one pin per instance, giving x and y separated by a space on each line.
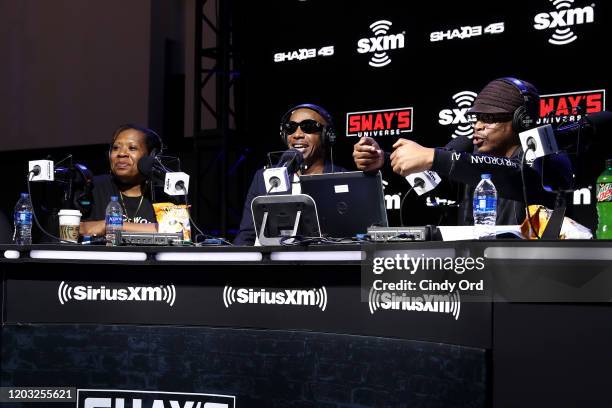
288 327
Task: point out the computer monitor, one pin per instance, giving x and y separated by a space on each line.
281 216
348 202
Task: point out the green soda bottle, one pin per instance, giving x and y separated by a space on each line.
604 202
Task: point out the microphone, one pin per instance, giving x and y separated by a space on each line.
543 140
276 178
150 168
591 125
538 142
175 182
424 181
41 170
292 159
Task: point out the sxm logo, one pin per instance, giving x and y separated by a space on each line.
381 43
316 297
449 304
77 293
458 117
563 19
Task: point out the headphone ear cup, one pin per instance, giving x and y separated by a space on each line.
330 135
521 120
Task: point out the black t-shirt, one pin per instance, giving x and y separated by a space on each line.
135 209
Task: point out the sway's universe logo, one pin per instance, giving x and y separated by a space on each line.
381 43
316 297
304 53
381 300
385 122
466 32
162 293
458 117
563 19
567 107
87 398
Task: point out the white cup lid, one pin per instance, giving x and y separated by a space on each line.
70 212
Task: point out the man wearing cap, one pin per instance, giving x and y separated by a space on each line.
504 108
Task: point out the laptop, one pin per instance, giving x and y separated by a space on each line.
348 202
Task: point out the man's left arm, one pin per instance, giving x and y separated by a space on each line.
410 157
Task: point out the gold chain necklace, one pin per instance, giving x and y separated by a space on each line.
125 208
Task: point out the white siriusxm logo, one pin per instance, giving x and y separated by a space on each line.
562 19
67 293
392 201
583 196
296 297
459 116
381 43
304 53
380 300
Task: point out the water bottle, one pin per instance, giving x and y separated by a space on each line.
604 202
23 221
485 208
114 221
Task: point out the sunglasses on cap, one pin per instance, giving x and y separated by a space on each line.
493 117
307 126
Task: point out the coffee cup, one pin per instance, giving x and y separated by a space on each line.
69 221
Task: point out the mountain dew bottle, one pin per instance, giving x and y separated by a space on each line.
604 202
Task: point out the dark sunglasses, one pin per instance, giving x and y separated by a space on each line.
307 126
493 117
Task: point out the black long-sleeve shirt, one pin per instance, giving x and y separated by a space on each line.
457 163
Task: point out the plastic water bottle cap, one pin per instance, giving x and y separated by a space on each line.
114 198
485 176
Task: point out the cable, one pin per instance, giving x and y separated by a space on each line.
402 205
30 174
525 193
206 236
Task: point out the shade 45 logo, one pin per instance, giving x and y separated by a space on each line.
381 43
304 53
458 117
569 106
466 32
385 122
562 21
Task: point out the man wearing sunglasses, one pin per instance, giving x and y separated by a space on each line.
309 129
504 108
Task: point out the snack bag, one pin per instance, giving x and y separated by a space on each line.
540 215
173 218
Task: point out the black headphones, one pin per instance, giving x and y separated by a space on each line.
525 115
83 196
328 134
153 141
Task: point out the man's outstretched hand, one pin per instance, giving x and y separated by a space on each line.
410 157
367 154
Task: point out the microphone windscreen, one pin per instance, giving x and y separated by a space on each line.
145 165
292 159
460 144
600 121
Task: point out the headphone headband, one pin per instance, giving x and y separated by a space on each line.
525 115
153 141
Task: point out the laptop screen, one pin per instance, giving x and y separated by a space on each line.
347 203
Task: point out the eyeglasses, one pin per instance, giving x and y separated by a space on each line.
493 117
307 126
